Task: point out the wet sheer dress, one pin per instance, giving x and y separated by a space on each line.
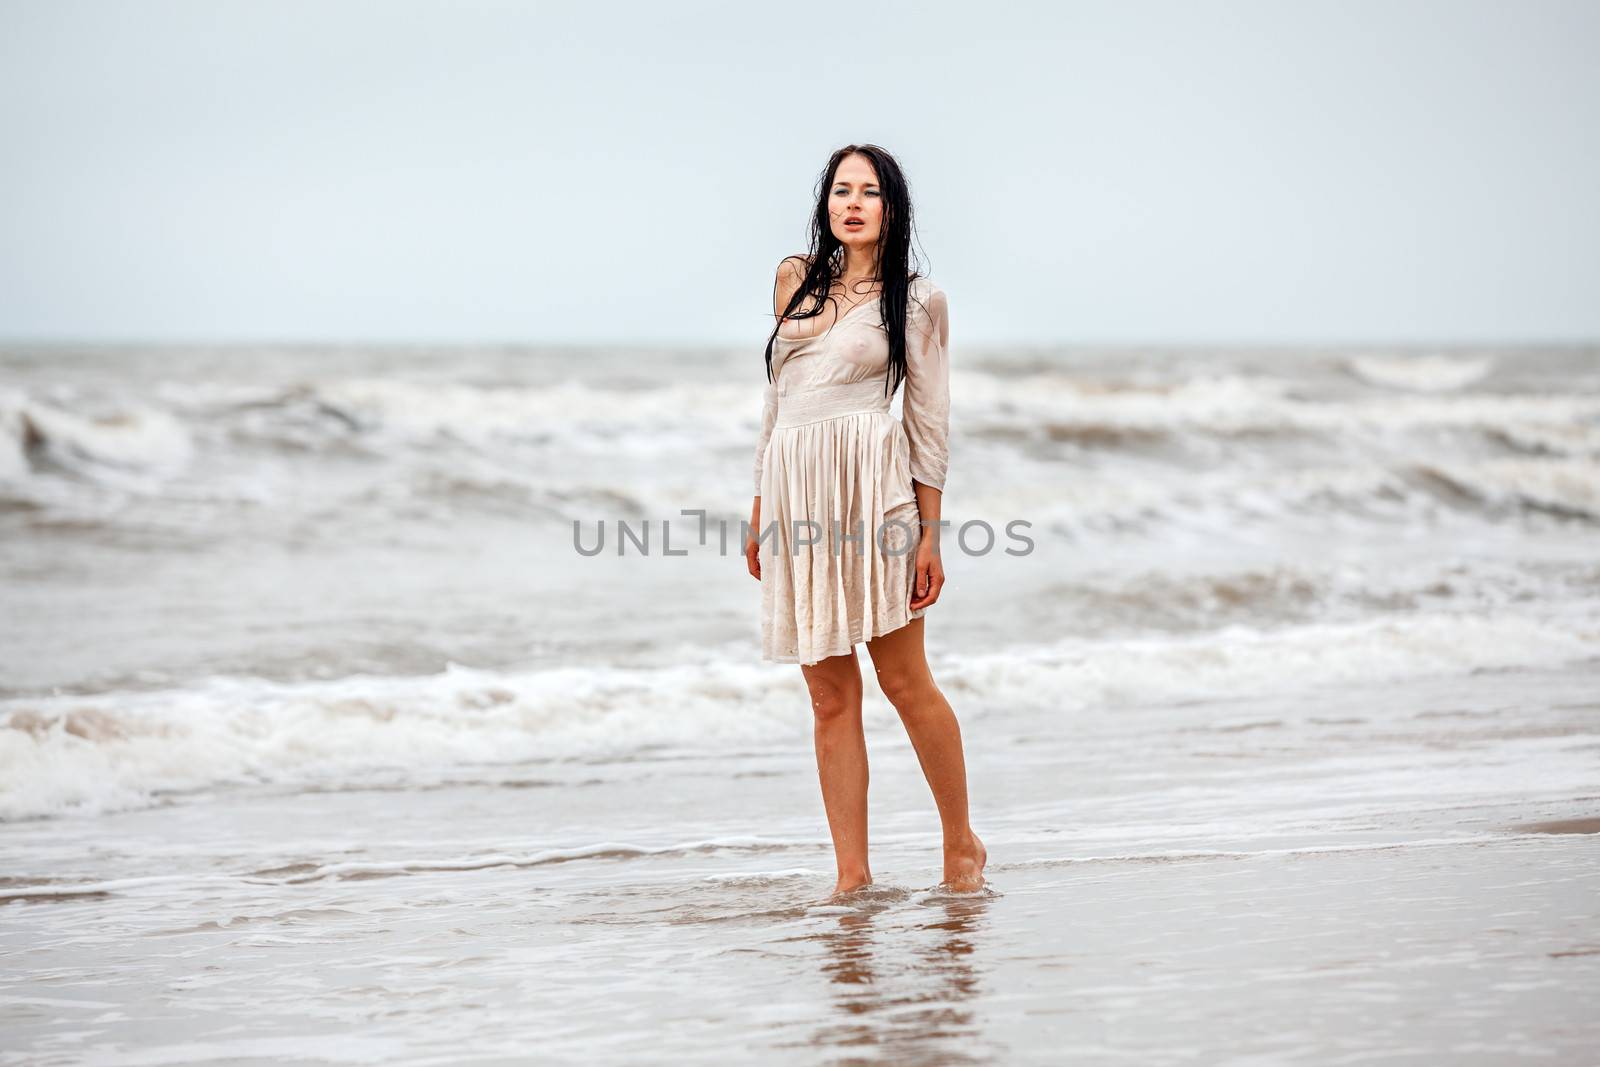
834 470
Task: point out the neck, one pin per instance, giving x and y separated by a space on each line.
860 264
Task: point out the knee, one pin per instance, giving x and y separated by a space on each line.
830 703
906 690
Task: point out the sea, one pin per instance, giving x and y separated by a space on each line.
404 705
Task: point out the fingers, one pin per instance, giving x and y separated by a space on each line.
925 590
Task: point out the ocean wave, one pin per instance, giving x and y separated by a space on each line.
65 755
1427 374
1310 590
106 441
1567 489
167 421
317 870
389 412
1064 407
1232 500
1204 450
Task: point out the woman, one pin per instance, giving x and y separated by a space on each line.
853 496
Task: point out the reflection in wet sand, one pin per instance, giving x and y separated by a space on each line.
906 970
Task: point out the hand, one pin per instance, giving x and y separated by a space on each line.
929 578
752 557
752 547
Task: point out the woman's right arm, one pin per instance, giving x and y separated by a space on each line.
791 272
769 415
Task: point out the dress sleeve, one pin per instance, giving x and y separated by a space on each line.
769 415
926 408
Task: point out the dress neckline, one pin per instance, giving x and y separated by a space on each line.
834 325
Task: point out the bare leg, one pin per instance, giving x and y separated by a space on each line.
906 681
835 685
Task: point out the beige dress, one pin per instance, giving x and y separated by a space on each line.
834 467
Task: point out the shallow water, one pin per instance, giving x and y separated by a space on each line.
1365 870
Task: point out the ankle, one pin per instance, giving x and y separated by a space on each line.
966 841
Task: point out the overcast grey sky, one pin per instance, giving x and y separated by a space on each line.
1111 172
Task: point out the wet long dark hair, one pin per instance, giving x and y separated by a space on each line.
824 261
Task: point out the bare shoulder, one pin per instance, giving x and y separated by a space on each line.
791 272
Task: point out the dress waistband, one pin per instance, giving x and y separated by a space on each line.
831 401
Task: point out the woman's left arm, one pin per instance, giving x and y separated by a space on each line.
926 409
925 413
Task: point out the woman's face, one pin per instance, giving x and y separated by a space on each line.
855 196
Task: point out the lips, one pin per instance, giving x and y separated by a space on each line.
854 222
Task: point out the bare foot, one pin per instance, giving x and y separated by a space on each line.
963 868
848 882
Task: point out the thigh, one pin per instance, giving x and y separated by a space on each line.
899 659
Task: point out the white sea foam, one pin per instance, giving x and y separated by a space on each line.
1240 403
1207 449
111 441
1431 374
120 750
1078 673
1567 487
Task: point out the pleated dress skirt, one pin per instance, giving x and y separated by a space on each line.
839 523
